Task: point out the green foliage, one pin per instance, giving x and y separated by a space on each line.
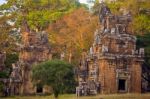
39 13
43 12
1 87
11 58
144 41
3 74
115 6
55 73
141 23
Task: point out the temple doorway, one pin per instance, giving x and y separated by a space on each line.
39 88
122 85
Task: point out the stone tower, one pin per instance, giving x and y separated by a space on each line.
35 49
113 64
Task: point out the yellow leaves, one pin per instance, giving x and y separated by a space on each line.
75 31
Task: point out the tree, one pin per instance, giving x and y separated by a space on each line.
10 59
55 73
144 42
73 33
140 24
7 42
39 13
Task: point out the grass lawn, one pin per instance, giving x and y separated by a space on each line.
113 96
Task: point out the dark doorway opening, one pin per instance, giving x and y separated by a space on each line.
39 88
122 85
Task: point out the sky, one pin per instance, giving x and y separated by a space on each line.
82 1
2 1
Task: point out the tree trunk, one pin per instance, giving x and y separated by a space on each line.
70 57
56 97
56 94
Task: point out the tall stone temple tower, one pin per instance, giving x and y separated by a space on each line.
34 48
113 64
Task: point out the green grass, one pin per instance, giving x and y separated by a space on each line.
113 96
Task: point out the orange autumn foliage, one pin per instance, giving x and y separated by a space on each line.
73 32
